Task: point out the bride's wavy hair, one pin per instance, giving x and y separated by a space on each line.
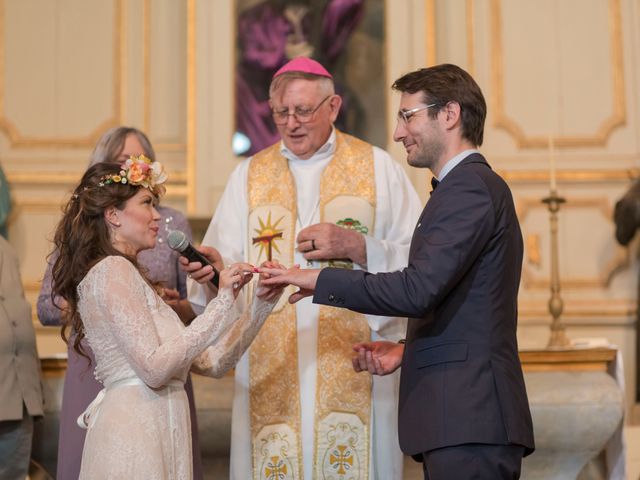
82 239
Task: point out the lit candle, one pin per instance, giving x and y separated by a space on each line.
552 165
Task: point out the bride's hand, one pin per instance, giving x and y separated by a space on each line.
236 276
269 292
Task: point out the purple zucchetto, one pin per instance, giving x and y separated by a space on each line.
304 65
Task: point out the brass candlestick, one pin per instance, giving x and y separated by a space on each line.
558 338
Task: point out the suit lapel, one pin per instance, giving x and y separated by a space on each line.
473 158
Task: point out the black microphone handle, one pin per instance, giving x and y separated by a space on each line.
194 255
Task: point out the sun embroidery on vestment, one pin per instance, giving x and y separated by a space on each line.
268 233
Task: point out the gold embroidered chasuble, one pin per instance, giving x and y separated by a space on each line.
343 397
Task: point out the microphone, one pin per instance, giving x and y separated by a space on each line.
178 241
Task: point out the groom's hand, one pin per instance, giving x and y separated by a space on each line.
305 280
377 358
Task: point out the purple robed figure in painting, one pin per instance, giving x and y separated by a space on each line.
272 33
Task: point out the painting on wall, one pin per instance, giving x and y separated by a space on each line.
346 36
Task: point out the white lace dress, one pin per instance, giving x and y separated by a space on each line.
138 427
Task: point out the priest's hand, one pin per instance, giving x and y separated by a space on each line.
198 272
180 305
326 241
377 358
305 280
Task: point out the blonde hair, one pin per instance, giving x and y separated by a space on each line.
112 141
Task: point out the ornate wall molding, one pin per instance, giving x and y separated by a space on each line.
17 139
146 65
574 176
159 146
471 35
430 34
52 204
608 125
619 261
577 313
191 106
68 178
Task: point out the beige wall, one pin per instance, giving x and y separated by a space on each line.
562 68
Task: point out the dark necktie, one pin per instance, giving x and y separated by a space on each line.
434 184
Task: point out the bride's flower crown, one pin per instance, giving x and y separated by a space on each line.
138 171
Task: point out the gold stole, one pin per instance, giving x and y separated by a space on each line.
343 397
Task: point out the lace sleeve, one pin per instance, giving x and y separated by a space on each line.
223 356
122 295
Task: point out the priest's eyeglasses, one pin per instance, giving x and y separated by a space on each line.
302 115
407 115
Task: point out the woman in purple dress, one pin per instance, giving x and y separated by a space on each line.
161 263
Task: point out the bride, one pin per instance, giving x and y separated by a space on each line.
138 426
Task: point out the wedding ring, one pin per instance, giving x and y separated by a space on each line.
313 244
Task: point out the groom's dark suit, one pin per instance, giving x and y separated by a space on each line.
461 378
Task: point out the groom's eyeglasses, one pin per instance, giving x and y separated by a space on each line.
407 115
302 115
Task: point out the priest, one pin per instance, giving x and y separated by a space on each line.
318 197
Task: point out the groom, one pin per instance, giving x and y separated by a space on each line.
463 408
